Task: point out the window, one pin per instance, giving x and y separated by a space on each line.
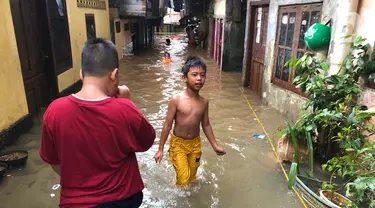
118 27
112 30
259 24
90 26
293 21
60 37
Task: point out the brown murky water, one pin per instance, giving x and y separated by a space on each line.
248 176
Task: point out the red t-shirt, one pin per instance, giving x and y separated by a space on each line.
94 142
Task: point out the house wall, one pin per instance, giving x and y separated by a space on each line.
123 38
13 105
365 28
77 29
285 101
347 17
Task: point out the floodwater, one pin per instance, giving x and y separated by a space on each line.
247 176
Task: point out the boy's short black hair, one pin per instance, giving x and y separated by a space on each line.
99 57
193 61
166 53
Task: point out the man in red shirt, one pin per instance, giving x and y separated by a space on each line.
90 138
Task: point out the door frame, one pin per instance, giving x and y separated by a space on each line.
212 33
219 42
250 33
46 48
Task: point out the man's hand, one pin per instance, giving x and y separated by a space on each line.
158 156
123 92
219 150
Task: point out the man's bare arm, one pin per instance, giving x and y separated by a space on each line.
207 129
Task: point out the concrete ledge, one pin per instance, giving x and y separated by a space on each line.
11 134
74 88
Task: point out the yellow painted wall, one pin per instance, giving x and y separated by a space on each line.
13 105
77 29
123 37
127 34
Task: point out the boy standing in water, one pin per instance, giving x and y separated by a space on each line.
188 110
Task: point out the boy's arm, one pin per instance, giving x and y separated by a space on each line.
172 109
207 129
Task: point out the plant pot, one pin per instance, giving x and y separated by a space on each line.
3 168
286 151
338 200
14 158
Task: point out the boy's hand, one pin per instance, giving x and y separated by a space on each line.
158 156
123 92
219 150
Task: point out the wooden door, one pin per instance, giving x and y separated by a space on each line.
29 27
260 21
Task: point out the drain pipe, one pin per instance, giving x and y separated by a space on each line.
344 19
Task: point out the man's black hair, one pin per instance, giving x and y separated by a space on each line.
99 57
193 61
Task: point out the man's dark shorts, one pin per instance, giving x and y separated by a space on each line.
134 201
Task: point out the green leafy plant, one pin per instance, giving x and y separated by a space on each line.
359 167
293 135
211 10
332 98
337 126
311 153
358 62
292 175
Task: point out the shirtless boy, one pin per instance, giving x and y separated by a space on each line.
188 110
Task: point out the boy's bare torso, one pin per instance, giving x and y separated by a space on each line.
189 115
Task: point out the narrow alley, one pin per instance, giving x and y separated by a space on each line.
248 176
290 85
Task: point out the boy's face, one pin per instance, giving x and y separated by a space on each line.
195 78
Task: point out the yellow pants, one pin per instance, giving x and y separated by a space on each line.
185 156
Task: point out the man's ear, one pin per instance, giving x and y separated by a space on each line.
114 75
81 74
